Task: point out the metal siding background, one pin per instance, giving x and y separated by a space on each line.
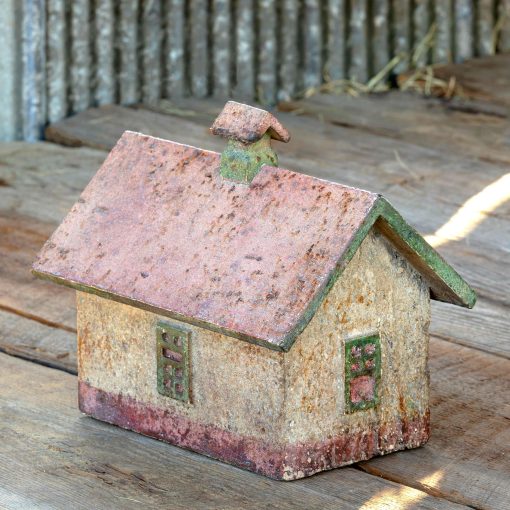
59 57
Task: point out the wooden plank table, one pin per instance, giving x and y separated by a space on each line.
53 457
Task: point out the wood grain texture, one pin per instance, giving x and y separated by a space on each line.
466 459
174 49
127 44
380 34
268 51
22 238
198 29
104 47
111 121
34 341
61 458
421 26
151 51
486 79
244 50
288 58
56 55
442 51
222 36
334 66
503 39
34 198
470 127
33 69
358 44
10 122
484 26
401 29
80 58
312 43
463 23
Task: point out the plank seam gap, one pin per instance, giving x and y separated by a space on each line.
423 488
36 318
468 346
37 361
380 474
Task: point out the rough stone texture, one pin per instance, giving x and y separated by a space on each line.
279 414
248 124
378 292
117 353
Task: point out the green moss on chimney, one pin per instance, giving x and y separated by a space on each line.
242 161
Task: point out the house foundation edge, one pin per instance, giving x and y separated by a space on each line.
279 461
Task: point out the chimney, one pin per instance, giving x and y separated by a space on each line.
249 131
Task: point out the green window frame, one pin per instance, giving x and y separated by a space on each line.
173 364
362 372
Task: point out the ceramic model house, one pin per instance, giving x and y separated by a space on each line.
263 317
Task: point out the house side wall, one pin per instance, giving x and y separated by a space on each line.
377 292
236 386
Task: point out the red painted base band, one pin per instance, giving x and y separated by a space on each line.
278 461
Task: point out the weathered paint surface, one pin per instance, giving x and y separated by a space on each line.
172 353
249 131
235 385
362 372
279 414
242 162
266 458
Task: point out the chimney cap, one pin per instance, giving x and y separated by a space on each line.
247 124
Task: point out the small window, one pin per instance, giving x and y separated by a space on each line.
173 361
362 372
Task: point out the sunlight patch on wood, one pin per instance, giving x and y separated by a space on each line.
472 213
403 497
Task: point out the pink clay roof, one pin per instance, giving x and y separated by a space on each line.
159 228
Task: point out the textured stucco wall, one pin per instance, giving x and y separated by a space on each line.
292 397
378 292
235 385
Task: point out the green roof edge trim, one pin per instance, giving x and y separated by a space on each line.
466 296
154 309
355 243
462 293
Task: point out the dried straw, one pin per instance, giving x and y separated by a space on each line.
422 80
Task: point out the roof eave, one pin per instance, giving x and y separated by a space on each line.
445 283
274 345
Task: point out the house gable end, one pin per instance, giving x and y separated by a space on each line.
445 283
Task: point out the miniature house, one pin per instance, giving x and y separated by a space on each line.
263 317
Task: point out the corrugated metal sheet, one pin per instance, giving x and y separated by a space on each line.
60 57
